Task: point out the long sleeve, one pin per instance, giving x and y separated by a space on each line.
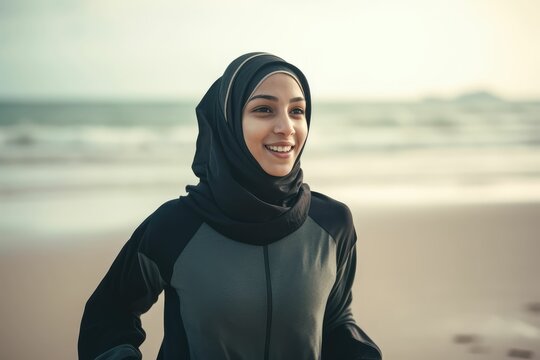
342 338
111 326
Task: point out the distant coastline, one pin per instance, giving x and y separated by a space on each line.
479 96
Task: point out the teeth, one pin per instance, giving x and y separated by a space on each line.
279 148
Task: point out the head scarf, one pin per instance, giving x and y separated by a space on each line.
234 194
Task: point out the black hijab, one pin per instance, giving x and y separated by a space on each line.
234 194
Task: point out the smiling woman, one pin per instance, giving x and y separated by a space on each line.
253 264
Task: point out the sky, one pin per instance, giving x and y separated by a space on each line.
164 49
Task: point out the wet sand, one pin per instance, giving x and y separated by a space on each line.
425 276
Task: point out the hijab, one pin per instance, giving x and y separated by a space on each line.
235 195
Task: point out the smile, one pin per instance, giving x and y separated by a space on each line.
279 149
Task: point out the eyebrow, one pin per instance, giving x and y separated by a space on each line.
274 98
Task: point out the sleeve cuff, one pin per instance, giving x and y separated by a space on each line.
349 342
121 352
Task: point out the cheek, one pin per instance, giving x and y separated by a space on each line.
301 132
252 135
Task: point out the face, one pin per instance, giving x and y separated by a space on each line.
274 123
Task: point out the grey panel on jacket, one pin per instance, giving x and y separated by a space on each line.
222 289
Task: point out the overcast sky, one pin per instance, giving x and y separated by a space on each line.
172 49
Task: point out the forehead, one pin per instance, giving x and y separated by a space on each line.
277 83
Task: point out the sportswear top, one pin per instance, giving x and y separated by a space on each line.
226 299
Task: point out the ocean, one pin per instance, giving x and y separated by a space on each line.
68 168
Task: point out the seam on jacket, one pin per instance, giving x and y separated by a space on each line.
323 228
177 261
353 243
149 267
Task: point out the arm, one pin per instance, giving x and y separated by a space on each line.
342 338
111 326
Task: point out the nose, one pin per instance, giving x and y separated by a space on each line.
284 124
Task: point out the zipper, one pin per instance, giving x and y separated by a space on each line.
268 303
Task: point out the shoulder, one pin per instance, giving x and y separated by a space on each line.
333 216
321 203
172 214
169 229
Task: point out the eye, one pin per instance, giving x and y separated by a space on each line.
298 111
263 109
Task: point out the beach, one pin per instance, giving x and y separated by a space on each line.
445 197
425 274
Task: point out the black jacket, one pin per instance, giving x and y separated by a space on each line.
226 299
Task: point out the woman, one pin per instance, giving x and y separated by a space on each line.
253 264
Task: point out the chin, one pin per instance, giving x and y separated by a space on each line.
277 170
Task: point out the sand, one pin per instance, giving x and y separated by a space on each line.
425 275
